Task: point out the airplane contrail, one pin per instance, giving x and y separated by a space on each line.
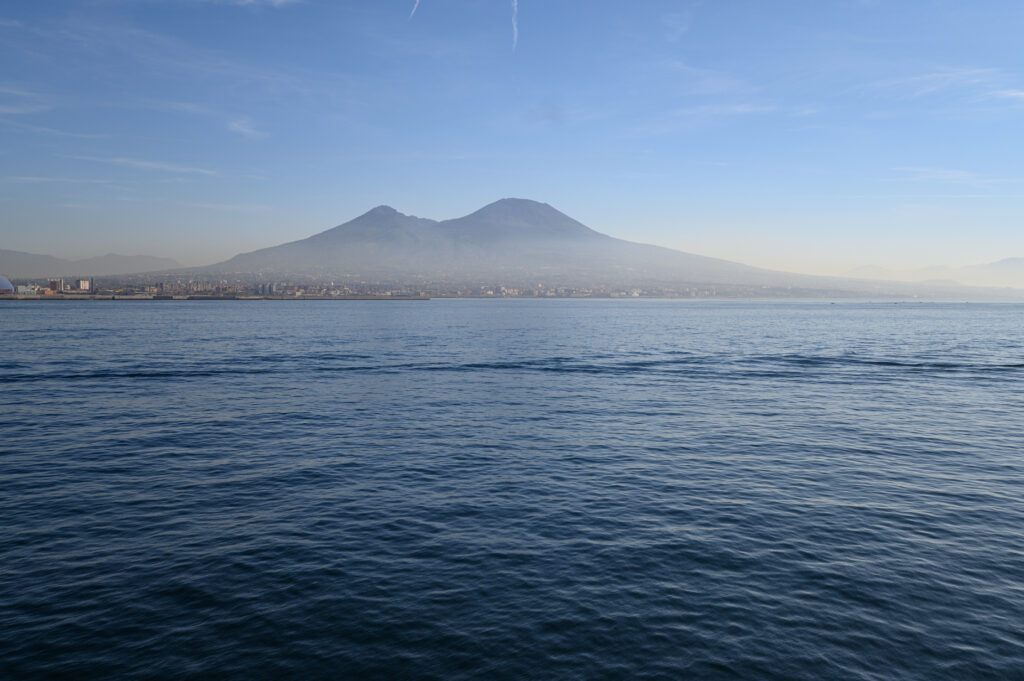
515 23
414 8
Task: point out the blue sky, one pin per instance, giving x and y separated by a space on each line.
814 136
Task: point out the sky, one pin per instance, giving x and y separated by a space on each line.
813 136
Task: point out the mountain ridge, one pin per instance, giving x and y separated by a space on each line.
522 243
509 238
1007 272
518 243
24 265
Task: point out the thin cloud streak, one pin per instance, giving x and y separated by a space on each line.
949 176
29 179
163 52
233 207
726 110
18 109
700 81
49 131
30 101
940 80
257 3
147 165
243 126
414 8
515 24
1015 95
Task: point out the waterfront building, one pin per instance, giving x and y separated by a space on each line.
6 287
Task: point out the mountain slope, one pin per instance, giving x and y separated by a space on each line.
382 239
1008 272
35 266
513 240
19 264
522 243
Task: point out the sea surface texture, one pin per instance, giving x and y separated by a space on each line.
511 489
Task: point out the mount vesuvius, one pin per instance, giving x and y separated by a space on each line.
511 241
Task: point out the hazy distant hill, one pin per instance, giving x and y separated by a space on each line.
32 265
511 241
517 242
1007 272
18 264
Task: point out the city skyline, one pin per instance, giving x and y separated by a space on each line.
798 137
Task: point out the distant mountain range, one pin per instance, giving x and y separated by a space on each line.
1006 272
34 266
513 241
518 242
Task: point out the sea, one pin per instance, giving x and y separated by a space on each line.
511 489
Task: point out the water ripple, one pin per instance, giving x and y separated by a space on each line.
507 489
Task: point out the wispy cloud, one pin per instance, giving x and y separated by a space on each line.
25 108
11 23
166 54
1014 95
233 207
955 90
948 176
17 92
678 23
944 79
243 126
30 179
147 165
691 117
741 109
414 8
252 3
180 107
49 131
515 23
15 101
693 80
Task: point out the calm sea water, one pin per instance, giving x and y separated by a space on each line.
511 489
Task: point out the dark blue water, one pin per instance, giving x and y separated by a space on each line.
511 489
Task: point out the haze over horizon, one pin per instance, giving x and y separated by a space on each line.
802 137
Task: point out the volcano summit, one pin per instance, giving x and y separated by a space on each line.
512 241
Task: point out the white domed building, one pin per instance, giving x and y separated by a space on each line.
6 287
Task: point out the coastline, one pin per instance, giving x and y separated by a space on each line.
79 298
